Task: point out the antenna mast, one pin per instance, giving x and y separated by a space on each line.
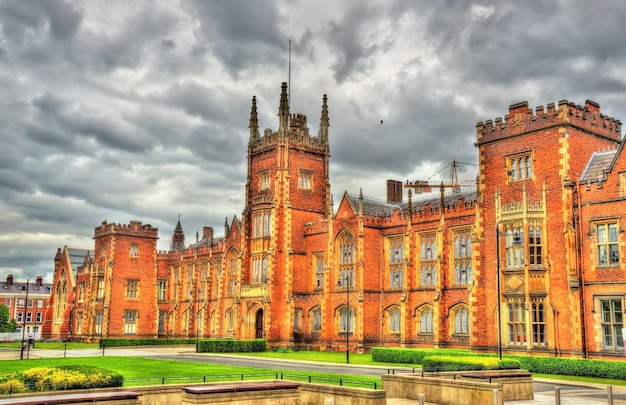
289 75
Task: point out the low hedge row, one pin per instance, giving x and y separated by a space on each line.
535 364
71 377
466 363
144 342
231 346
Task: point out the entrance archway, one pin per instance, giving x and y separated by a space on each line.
258 324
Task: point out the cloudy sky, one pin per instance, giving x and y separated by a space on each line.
120 110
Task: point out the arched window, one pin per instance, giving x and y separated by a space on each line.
461 320
425 319
230 320
346 258
315 315
346 320
394 323
232 271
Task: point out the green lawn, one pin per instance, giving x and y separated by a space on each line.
154 369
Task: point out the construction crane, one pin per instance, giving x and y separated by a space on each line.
424 186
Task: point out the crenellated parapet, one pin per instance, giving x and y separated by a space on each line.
298 135
135 229
521 120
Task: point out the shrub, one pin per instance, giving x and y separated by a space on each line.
467 363
144 342
231 346
411 356
60 378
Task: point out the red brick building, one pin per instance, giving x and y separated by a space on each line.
531 259
26 302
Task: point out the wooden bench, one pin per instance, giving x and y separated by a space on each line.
55 398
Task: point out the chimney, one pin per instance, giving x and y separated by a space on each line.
10 279
394 191
39 281
207 232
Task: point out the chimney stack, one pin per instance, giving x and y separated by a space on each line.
394 191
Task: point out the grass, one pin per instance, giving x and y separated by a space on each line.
151 371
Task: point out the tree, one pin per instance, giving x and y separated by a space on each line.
6 323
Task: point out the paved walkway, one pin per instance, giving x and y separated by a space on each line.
571 393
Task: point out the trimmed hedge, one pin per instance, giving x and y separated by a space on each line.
58 378
412 356
466 363
144 342
231 346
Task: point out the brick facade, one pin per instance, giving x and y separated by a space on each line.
424 271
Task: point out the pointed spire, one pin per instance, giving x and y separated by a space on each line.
178 237
324 121
226 229
283 110
254 121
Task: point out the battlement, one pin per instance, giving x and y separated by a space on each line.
298 135
521 120
135 228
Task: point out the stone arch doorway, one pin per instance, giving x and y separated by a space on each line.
258 324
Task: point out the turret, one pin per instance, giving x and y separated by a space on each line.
283 110
178 237
254 122
324 120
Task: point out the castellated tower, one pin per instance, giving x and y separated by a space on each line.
287 186
529 164
125 253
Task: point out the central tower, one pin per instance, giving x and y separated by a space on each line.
287 186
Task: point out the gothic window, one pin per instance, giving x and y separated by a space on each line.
98 328
538 323
79 322
318 260
60 302
514 239
259 270
267 224
297 319
264 180
130 321
346 259
232 273
463 256
230 320
346 320
461 320
134 250
257 224
161 325
305 180
517 323
81 291
131 288
428 260
394 323
316 320
425 319
622 184
396 262
612 323
608 249
535 247
520 167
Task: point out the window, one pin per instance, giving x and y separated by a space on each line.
264 180
79 323
425 319
29 303
538 323
517 323
81 291
396 262
534 246
304 180
318 260
190 275
8 302
394 316
261 224
463 256
29 317
428 260
38 317
233 274
267 224
98 328
20 302
230 320
259 270
346 259
297 319
39 303
520 167
514 248
130 321
100 290
162 322
131 288
134 250
204 270
612 323
316 320
622 184
461 320
20 316
608 250
346 320
162 290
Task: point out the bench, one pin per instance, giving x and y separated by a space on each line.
54 398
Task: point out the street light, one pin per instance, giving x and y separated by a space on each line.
347 282
24 319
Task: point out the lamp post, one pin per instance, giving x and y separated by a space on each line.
24 321
498 289
346 279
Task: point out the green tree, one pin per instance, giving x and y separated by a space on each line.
6 323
